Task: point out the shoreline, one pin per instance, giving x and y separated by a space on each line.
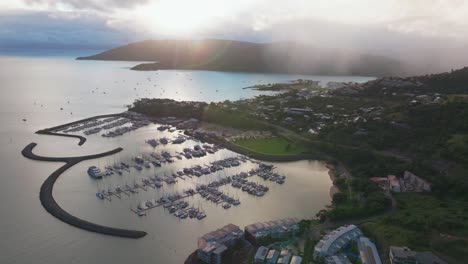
53 208
332 173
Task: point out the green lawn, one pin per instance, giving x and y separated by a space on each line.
271 146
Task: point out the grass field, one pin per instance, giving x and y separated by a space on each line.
271 146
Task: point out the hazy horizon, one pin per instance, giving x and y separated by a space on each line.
429 36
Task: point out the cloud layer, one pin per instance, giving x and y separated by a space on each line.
430 33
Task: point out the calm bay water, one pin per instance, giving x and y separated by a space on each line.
36 87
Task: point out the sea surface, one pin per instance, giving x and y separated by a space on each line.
42 90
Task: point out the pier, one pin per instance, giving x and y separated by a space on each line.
50 131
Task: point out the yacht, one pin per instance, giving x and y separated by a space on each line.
94 172
178 140
201 215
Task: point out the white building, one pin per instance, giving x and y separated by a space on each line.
261 254
335 240
394 183
213 245
277 228
296 260
368 251
337 259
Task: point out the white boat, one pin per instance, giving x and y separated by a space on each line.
95 172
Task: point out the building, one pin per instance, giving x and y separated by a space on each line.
337 259
403 255
335 240
275 256
382 182
296 260
298 111
284 259
413 183
368 252
394 183
272 256
260 255
213 245
408 183
274 229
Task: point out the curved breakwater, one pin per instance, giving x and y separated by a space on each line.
48 202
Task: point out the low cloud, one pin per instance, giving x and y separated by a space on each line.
432 36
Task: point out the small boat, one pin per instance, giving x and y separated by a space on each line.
226 206
94 172
141 213
178 140
201 215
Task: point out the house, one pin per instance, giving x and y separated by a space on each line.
213 245
275 229
284 259
260 255
296 260
337 259
394 183
404 255
298 111
272 256
411 182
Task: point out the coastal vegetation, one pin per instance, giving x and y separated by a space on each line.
379 128
424 222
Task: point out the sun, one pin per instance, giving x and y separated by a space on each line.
178 17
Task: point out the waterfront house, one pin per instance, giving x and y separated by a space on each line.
273 229
213 245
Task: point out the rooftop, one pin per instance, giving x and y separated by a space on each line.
327 241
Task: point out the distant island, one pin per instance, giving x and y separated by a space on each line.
229 55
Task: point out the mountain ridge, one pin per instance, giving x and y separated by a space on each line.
232 55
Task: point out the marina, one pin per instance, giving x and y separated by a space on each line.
136 178
75 191
209 192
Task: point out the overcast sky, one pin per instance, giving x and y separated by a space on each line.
423 31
